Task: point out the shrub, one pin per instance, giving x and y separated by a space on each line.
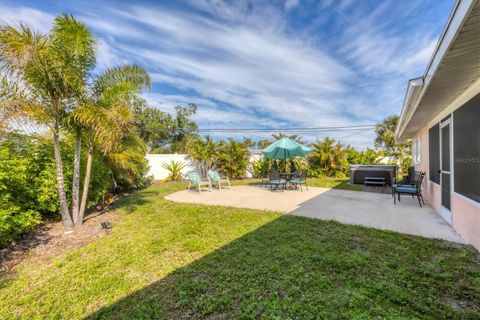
14 222
28 185
175 170
260 167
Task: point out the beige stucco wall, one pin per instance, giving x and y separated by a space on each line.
466 219
431 190
465 212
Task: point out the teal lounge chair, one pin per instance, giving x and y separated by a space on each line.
198 182
215 177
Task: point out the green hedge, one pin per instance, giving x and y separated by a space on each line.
28 185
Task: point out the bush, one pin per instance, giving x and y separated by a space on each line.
14 222
28 181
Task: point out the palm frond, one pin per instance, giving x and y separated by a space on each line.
133 75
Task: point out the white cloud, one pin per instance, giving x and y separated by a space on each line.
290 4
244 67
36 19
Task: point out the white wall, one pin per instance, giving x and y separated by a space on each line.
155 162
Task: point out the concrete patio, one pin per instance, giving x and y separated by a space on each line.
352 207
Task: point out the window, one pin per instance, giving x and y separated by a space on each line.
416 151
466 149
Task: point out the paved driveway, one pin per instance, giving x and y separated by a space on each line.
353 207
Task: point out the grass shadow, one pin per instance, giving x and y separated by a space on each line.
295 267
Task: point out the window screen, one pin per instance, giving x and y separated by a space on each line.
434 153
466 149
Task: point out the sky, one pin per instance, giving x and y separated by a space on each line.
263 64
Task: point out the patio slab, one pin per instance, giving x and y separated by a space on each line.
377 210
352 207
250 197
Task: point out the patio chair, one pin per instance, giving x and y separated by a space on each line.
299 179
215 177
196 180
415 190
265 178
408 181
276 181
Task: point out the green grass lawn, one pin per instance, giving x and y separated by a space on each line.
174 261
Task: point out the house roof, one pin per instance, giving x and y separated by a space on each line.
453 68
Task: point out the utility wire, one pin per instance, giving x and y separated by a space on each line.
308 129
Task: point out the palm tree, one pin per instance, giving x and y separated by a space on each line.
386 141
294 137
329 155
43 75
233 157
106 115
204 151
78 47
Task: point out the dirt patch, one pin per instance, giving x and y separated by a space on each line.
51 239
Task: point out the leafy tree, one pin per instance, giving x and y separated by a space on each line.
369 156
386 141
42 77
162 131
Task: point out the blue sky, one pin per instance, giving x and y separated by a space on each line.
293 63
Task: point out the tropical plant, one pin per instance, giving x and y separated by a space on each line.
368 156
260 167
204 152
294 137
42 76
328 155
233 157
263 143
386 141
106 116
28 188
175 170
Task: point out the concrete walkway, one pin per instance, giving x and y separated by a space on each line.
361 208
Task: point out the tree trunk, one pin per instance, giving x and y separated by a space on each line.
66 218
76 180
86 184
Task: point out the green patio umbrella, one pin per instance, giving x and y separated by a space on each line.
284 149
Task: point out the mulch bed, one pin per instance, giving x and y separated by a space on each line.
51 239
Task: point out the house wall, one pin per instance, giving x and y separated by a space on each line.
431 190
465 212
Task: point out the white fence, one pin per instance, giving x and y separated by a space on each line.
155 161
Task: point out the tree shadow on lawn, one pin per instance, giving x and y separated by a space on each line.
295 267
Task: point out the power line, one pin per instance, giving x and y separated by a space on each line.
299 129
